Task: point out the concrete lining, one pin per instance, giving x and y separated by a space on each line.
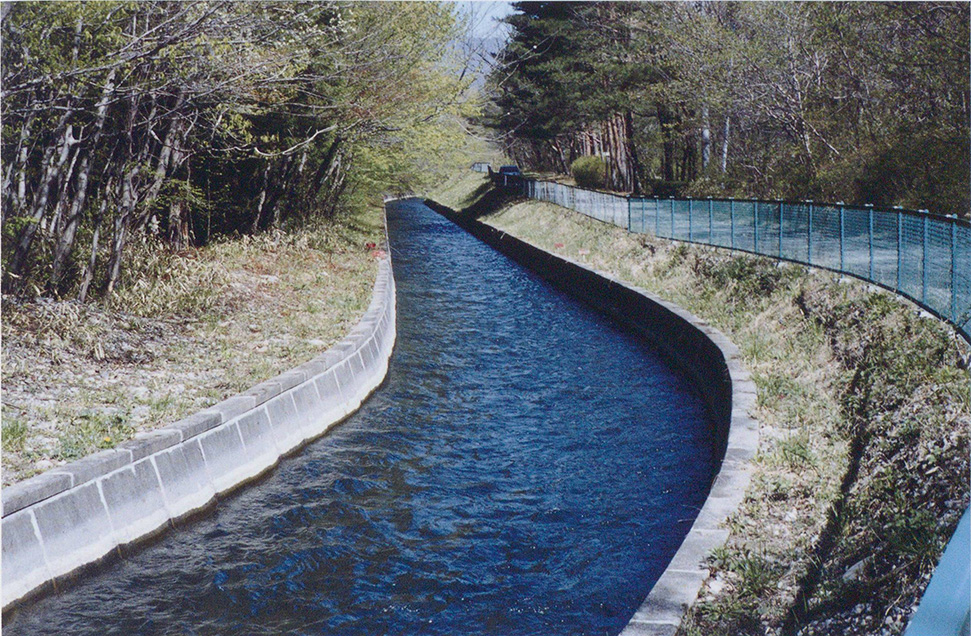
56 523
714 365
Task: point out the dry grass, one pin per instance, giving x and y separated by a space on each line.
198 327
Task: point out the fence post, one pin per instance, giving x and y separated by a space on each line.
657 217
954 269
731 211
755 224
628 215
690 220
869 207
672 217
711 241
809 235
842 235
780 230
923 269
900 244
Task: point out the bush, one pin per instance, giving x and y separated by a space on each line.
589 172
665 189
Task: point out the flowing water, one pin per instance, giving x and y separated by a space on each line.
528 468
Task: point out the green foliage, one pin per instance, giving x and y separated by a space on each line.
589 172
203 119
745 277
860 102
14 434
93 431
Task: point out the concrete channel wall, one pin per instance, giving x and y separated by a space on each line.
69 517
713 363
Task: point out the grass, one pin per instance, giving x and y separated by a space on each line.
199 326
844 376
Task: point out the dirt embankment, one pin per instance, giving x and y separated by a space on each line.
200 326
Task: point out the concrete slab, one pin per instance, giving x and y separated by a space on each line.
634 628
329 358
74 528
307 401
346 379
286 422
223 449
151 442
368 353
743 438
312 368
134 500
231 408
259 439
357 391
328 389
30 491
197 424
694 551
264 391
670 598
730 485
94 466
22 557
186 485
714 513
290 379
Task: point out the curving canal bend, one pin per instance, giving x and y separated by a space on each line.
527 468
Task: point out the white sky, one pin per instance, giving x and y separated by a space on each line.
483 14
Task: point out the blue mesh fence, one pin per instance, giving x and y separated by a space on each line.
924 257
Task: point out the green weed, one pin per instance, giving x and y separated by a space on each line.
14 434
90 432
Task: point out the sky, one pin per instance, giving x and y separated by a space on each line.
484 14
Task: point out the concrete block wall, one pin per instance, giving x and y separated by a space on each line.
714 365
74 515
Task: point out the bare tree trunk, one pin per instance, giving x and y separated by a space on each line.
127 204
725 135
705 139
93 258
665 120
635 164
39 207
14 198
325 169
255 227
66 237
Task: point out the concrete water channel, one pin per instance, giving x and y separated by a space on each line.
528 467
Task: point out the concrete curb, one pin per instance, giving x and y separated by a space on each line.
74 515
714 364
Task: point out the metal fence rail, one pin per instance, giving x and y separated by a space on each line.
924 257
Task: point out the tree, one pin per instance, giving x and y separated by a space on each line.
177 120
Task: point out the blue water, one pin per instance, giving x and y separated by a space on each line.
528 468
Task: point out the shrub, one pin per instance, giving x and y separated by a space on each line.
589 172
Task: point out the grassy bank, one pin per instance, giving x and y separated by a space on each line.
864 411
197 327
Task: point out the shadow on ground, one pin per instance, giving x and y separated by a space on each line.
485 200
